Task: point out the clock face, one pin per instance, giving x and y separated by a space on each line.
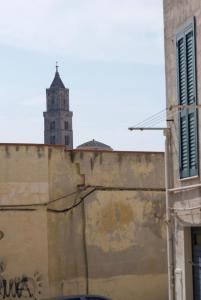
1 235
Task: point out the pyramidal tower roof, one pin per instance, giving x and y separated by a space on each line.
57 82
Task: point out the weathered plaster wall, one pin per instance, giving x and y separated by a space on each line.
23 221
124 242
23 254
23 174
176 13
112 241
117 234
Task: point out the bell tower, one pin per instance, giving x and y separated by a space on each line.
57 117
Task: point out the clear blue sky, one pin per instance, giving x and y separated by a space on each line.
111 58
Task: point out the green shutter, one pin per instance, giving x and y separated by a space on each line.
184 164
182 71
186 94
192 143
190 58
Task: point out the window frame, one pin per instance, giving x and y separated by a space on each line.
187 113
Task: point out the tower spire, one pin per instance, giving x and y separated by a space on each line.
57 66
57 82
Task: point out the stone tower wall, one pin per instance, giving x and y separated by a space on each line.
58 117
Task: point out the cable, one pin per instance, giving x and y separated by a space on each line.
149 118
153 120
73 206
62 197
102 188
39 204
99 188
157 118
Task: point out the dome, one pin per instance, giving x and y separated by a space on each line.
94 145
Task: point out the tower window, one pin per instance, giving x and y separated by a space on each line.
66 125
52 139
52 125
66 140
52 102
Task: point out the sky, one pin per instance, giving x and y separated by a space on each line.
111 57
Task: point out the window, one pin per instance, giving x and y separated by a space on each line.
66 140
66 125
52 125
186 94
52 139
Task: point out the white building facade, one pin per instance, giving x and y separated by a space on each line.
182 20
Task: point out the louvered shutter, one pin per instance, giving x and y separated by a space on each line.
186 93
184 164
182 71
192 143
191 99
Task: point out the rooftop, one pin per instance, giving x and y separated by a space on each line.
57 82
94 145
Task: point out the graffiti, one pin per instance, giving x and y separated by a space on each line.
2 266
1 235
21 287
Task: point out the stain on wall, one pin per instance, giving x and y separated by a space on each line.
119 243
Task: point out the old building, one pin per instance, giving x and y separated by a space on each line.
58 117
81 221
182 19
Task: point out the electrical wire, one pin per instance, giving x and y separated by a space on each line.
40 204
157 118
160 117
102 188
62 197
74 205
147 120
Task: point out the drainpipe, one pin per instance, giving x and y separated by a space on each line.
168 219
166 132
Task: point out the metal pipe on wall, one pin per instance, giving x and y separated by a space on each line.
168 219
